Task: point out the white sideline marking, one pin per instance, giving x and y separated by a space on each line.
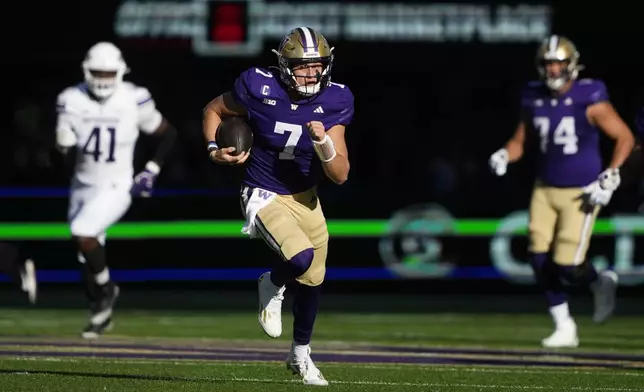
434 367
435 385
400 384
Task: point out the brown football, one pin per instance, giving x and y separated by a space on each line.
234 132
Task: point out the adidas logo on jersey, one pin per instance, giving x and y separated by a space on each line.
318 110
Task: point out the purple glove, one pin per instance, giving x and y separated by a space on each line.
144 181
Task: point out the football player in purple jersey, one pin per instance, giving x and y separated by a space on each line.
566 116
298 117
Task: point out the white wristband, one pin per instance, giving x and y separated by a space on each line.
212 146
325 149
153 167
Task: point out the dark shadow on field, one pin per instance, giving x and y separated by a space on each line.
104 375
143 377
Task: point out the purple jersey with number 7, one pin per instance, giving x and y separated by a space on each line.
282 157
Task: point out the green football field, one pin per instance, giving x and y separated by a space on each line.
225 350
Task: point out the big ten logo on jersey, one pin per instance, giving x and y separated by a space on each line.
101 143
564 134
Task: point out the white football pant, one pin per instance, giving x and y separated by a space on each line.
92 210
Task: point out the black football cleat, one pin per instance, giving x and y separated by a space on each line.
93 331
101 311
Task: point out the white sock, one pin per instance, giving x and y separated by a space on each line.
560 314
300 350
102 277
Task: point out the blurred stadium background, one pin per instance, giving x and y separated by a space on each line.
427 247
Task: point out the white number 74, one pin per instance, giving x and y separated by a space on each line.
564 135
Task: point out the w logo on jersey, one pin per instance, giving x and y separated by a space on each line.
264 194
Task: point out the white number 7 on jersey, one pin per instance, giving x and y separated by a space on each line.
564 134
288 153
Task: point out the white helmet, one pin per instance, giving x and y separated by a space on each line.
104 69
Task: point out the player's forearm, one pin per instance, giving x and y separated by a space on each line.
623 148
65 143
166 143
211 122
515 150
337 169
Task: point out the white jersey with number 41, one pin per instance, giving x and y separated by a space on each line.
105 133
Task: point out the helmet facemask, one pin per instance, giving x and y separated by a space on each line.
102 83
555 82
290 73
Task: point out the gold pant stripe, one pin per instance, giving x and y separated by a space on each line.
584 238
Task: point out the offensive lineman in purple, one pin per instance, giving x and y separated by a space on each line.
566 115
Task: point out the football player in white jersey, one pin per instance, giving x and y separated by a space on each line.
100 120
